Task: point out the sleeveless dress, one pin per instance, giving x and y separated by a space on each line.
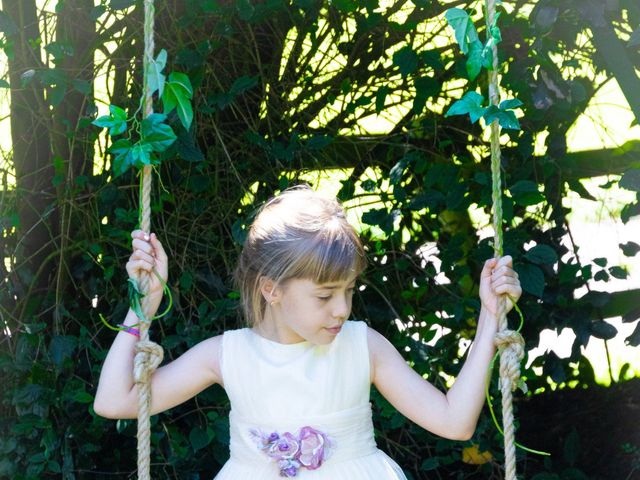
301 409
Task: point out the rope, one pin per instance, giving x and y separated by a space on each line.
148 355
509 343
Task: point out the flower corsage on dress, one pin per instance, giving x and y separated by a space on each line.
308 449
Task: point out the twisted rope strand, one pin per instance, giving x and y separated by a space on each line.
509 342
148 355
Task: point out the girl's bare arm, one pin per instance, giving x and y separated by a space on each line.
455 414
172 384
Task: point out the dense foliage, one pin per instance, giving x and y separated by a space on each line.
282 90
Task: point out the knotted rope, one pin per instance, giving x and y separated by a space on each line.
510 343
148 354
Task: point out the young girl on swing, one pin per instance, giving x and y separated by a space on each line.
299 377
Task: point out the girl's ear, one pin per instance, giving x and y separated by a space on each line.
270 291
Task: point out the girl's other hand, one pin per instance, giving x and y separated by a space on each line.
148 255
498 278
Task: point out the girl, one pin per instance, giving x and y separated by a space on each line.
299 377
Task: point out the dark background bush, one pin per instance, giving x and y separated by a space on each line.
265 118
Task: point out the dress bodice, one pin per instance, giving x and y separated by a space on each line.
283 391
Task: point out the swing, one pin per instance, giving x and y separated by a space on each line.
149 354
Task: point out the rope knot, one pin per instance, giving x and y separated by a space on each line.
148 357
511 346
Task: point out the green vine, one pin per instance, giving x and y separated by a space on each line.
479 55
145 140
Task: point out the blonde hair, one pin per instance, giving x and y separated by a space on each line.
298 234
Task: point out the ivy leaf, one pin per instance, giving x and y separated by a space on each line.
97 12
381 97
603 330
155 77
506 118
116 122
470 103
318 142
525 192
395 175
82 397
618 272
406 60
199 438
61 348
140 155
345 6
245 9
379 217
531 279
465 30
631 180
121 4
120 149
631 316
188 149
487 55
157 134
135 296
542 255
430 464
181 80
240 84
425 87
475 60
120 146
117 113
633 340
510 104
177 95
629 249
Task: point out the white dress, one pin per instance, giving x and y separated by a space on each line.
276 388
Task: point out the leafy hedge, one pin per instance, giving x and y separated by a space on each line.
282 90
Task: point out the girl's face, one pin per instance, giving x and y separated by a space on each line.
305 310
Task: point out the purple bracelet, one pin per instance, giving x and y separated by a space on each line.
130 330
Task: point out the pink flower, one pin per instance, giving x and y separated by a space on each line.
312 448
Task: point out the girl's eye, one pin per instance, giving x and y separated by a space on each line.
324 299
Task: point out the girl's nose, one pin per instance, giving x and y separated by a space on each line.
341 307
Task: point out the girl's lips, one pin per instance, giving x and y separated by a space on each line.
335 330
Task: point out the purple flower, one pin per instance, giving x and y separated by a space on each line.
307 450
312 447
262 440
285 447
288 468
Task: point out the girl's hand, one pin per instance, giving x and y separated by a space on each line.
498 278
148 255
